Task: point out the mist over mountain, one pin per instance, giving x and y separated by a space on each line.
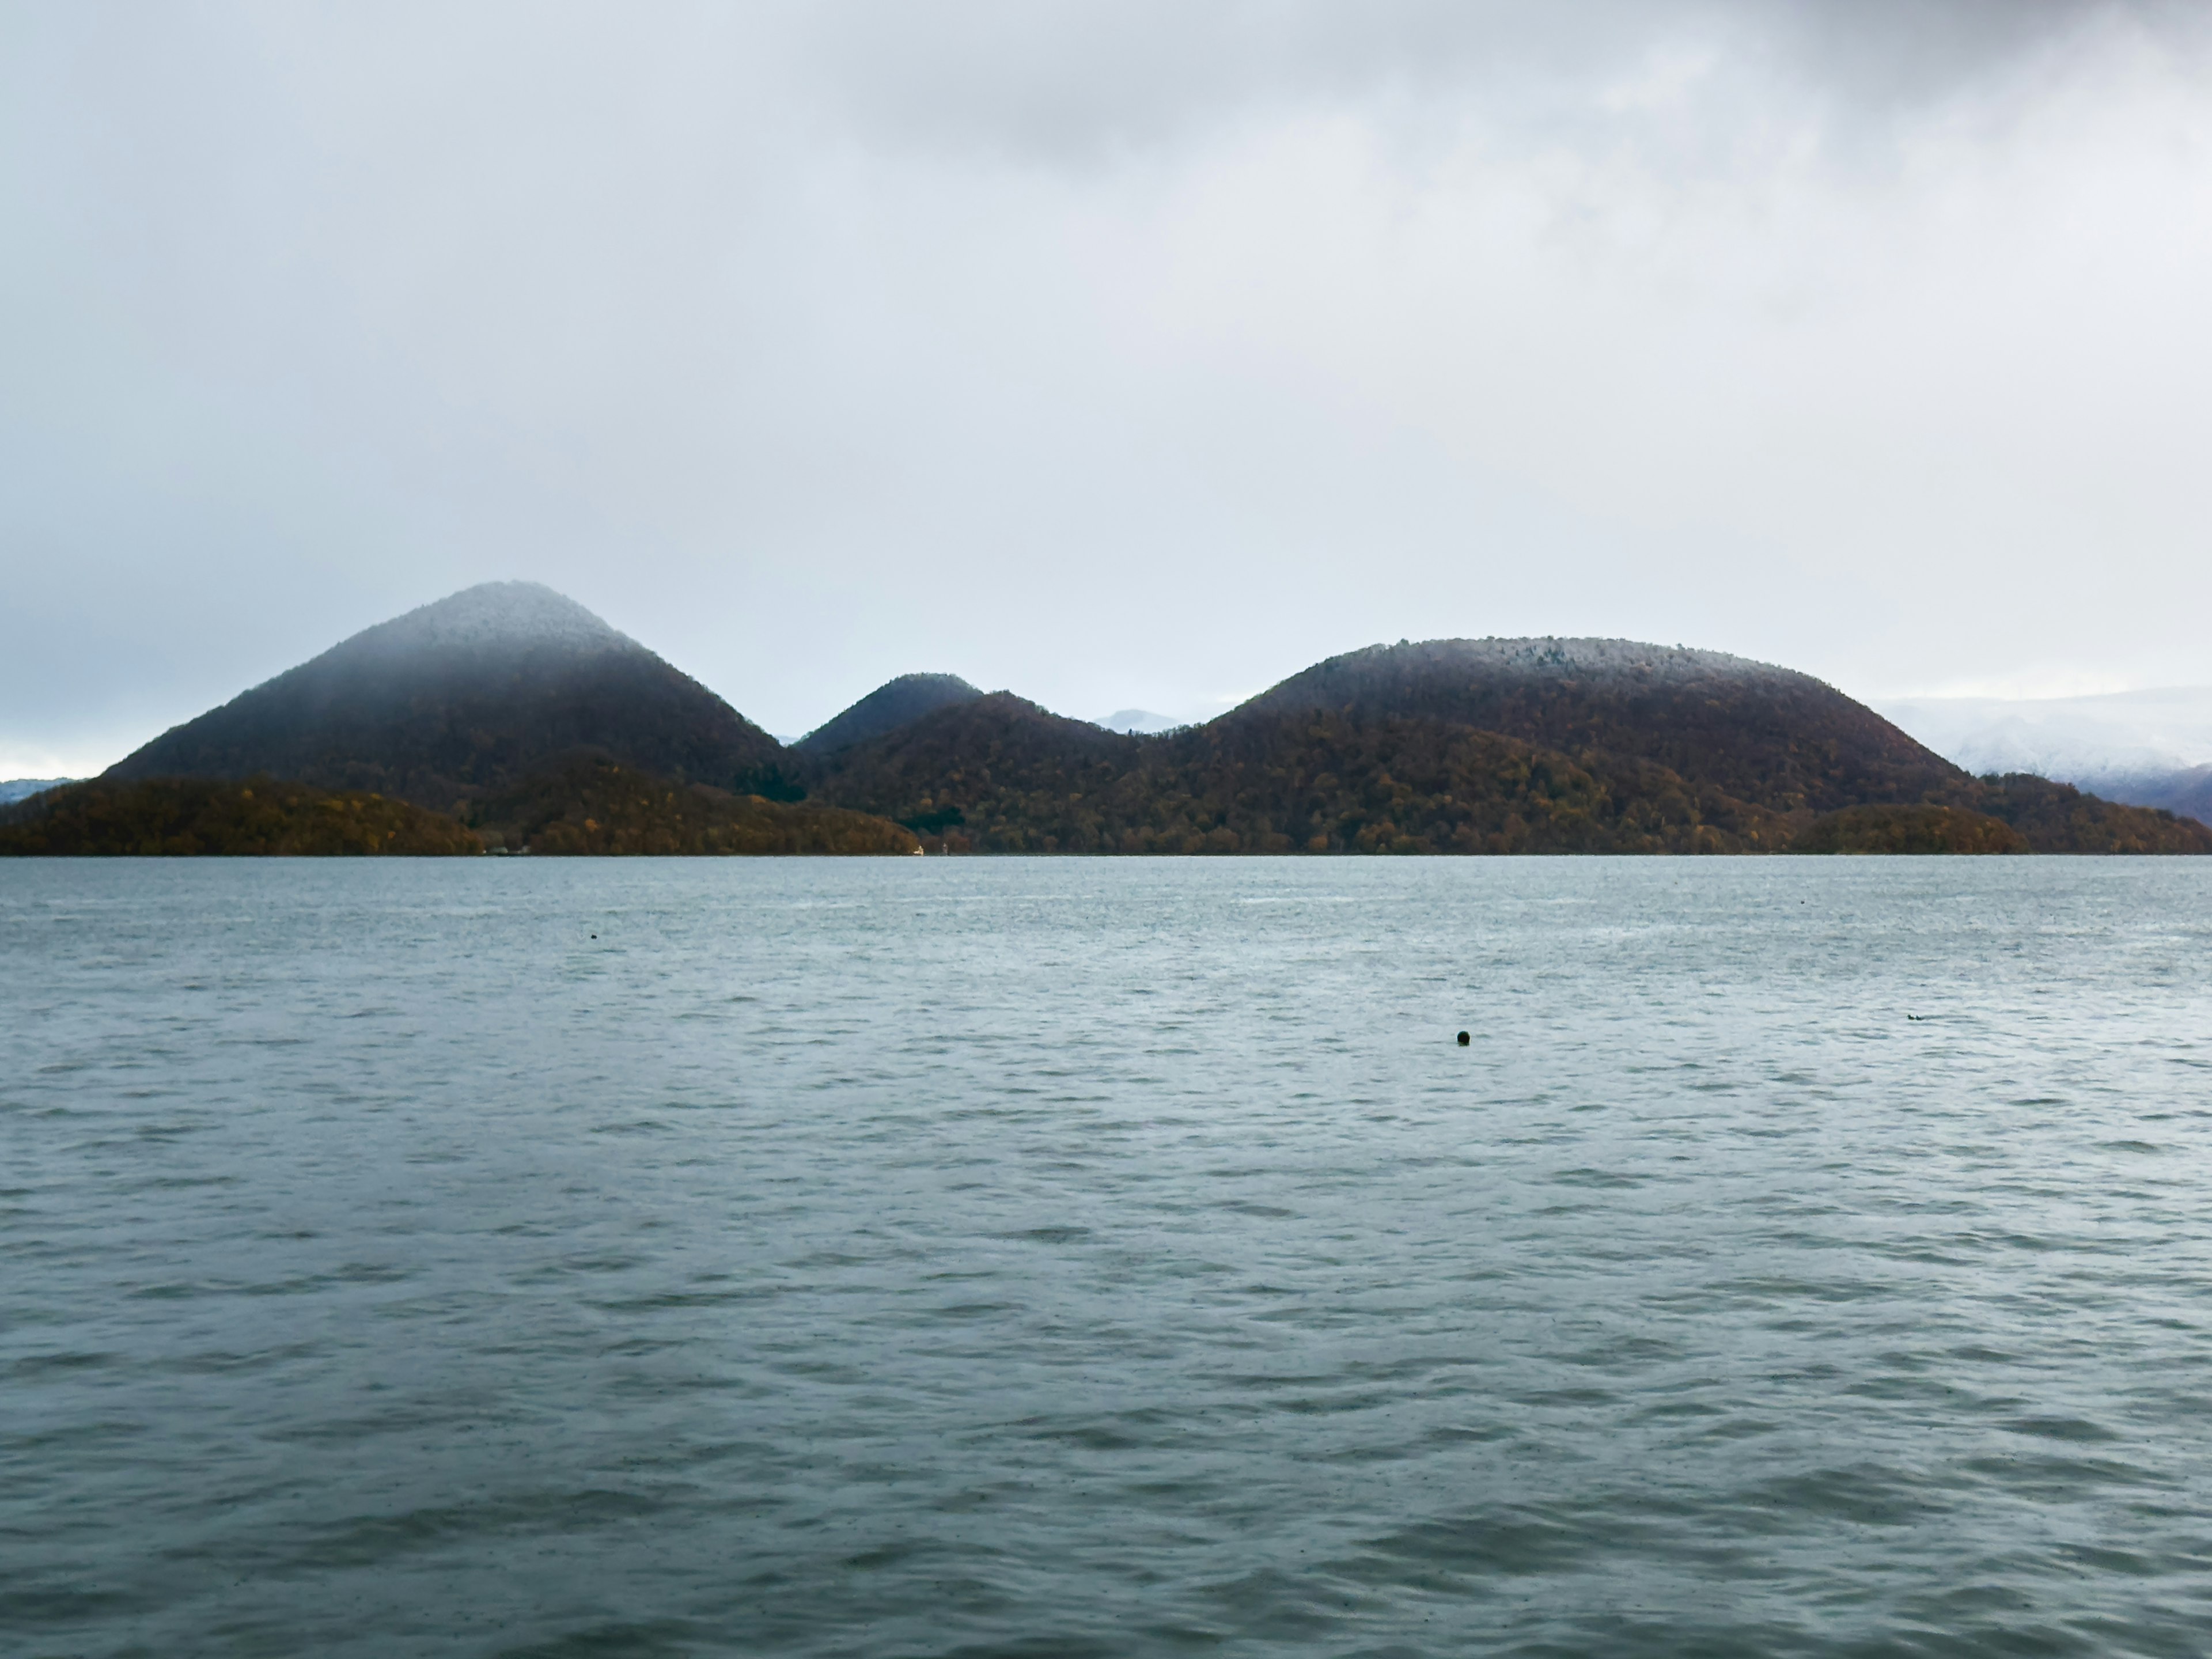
467 695
890 706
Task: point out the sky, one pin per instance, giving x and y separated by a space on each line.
1123 355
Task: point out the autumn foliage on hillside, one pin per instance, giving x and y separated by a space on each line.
2057 817
1909 829
450 734
519 713
595 805
998 774
185 817
1767 736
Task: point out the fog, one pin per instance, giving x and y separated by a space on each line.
1125 356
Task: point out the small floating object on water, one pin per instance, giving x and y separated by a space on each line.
1464 1039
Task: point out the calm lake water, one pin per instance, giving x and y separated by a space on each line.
915 1257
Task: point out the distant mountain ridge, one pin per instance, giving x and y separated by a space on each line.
525 718
1138 722
2187 793
2112 734
2148 747
15 789
1473 746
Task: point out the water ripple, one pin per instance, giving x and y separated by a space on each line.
1013 1259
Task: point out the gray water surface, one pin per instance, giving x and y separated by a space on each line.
1029 1257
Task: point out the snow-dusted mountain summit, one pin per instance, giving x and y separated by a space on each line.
464 695
490 615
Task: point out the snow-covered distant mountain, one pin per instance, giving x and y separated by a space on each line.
15 789
1138 720
2146 748
2076 739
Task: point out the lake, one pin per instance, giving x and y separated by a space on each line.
1031 1257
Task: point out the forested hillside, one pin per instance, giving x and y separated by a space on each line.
1514 746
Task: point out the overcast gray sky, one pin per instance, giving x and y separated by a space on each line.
1122 353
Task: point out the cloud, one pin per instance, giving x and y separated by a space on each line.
1110 352
1075 84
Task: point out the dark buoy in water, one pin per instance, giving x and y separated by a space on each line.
1464 1039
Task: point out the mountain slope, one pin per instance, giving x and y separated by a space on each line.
894 704
2187 793
1001 774
990 759
1768 737
1915 829
2057 817
591 805
466 696
520 712
15 789
1499 746
205 816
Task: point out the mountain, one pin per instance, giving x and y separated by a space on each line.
15 789
2090 741
1763 735
1138 722
2187 793
994 759
465 696
2057 817
1001 775
890 706
1459 745
521 713
173 817
2145 748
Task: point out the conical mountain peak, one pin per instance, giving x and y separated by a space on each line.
894 704
490 615
467 695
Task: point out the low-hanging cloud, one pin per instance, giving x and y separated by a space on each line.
1129 355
